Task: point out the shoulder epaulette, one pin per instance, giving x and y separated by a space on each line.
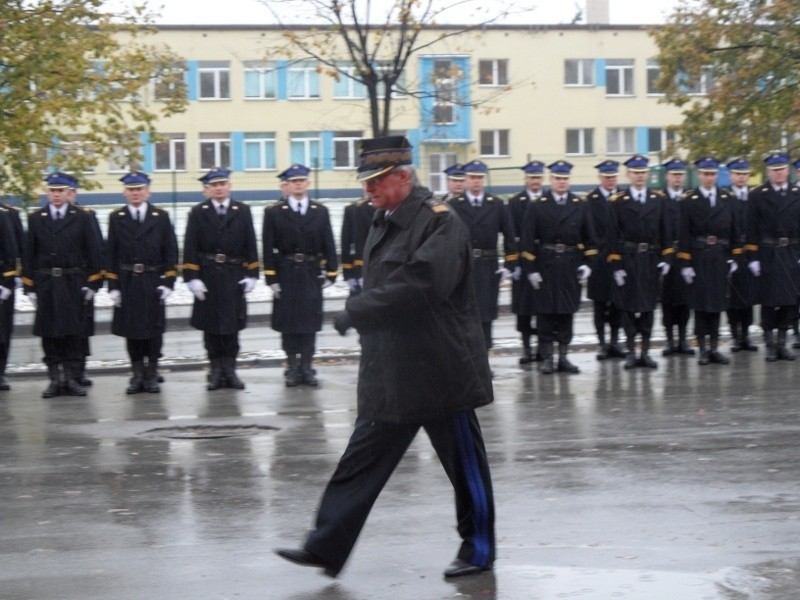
658 193
617 196
437 206
85 209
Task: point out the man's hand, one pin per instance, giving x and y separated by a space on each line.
198 288
619 277
163 291
755 267
733 267
116 297
276 289
248 284
688 274
88 294
536 280
504 273
584 271
5 293
664 266
517 273
342 323
353 284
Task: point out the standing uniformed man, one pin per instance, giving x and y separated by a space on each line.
455 181
61 272
558 240
299 261
600 288
641 247
773 247
743 284
486 217
142 267
707 243
520 298
220 266
675 311
7 305
355 227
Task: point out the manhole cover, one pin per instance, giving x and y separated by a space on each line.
207 432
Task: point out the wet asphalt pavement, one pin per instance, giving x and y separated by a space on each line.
681 483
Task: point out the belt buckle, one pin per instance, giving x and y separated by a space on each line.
476 252
784 241
138 268
711 240
219 258
56 271
643 247
560 248
298 257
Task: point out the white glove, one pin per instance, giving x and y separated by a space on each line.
517 273
536 280
352 283
755 267
583 272
18 282
276 290
32 299
734 267
88 294
198 288
5 293
116 297
504 273
688 274
163 291
664 268
249 284
619 277
327 283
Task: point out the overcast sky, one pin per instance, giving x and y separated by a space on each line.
238 12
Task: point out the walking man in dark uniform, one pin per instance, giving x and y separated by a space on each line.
743 284
557 242
486 217
61 272
423 365
675 310
299 261
773 249
707 243
601 288
521 297
142 267
640 250
7 305
355 227
220 266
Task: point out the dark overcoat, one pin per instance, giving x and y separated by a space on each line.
744 285
221 251
485 224
299 254
141 257
423 353
7 309
61 257
773 238
517 207
600 286
355 227
674 289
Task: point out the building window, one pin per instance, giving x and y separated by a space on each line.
79 152
653 73
619 78
259 151
170 82
345 148
214 80
579 72
399 85
305 148
444 83
170 155
346 86
659 140
303 81
702 85
493 72
620 140
437 163
260 81
494 142
119 161
580 141
215 150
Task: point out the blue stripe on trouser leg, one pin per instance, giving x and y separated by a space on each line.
477 490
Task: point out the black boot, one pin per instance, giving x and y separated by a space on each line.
81 378
306 372
669 347
614 351
136 383
783 352
796 342
715 356
71 386
229 368
4 385
527 354
704 357
150 383
215 377
292 373
772 349
683 345
546 350
564 365
644 357
630 356
54 389
736 338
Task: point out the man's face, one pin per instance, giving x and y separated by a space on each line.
298 188
219 190
476 183
559 184
638 179
778 177
388 190
534 183
675 180
58 196
135 196
608 182
739 179
284 189
455 186
708 179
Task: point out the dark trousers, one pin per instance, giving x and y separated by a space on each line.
149 348
299 343
487 333
221 345
372 454
525 325
556 328
66 350
605 313
740 320
642 324
706 324
777 317
675 316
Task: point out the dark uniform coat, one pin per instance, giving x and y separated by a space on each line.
355 227
556 240
141 257
299 254
517 207
7 309
423 353
485 224
674 289
706 242
642 238
88 314
600 286
61 257
221 251
744 285
773 238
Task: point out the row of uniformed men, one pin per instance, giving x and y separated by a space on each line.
708 249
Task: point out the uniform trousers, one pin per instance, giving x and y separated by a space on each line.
554 327
777 317
149 348
741 318
706 323
525 325
675 316
487 333
606 313
642 324
66 350
372 454
221 345
299 343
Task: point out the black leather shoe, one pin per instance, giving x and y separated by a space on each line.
630 361
669 350
215 380
614 351
460 568
308 376
647 362
71 388
526 358
233 381
546 367
53 390
4 385
736 345
83 380
565 366
705 358
603 353
304 558
748 345
684 348
785 354
718 358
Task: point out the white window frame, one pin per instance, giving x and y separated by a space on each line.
177 70
174 141
220 145
653 66
307 73
220 73
444 93
261 141
437 163
350 140
401 80
497 142
620 140
665 136
625 74
584 72
704 85
306 140
585 148
498 74
264 72
354 89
